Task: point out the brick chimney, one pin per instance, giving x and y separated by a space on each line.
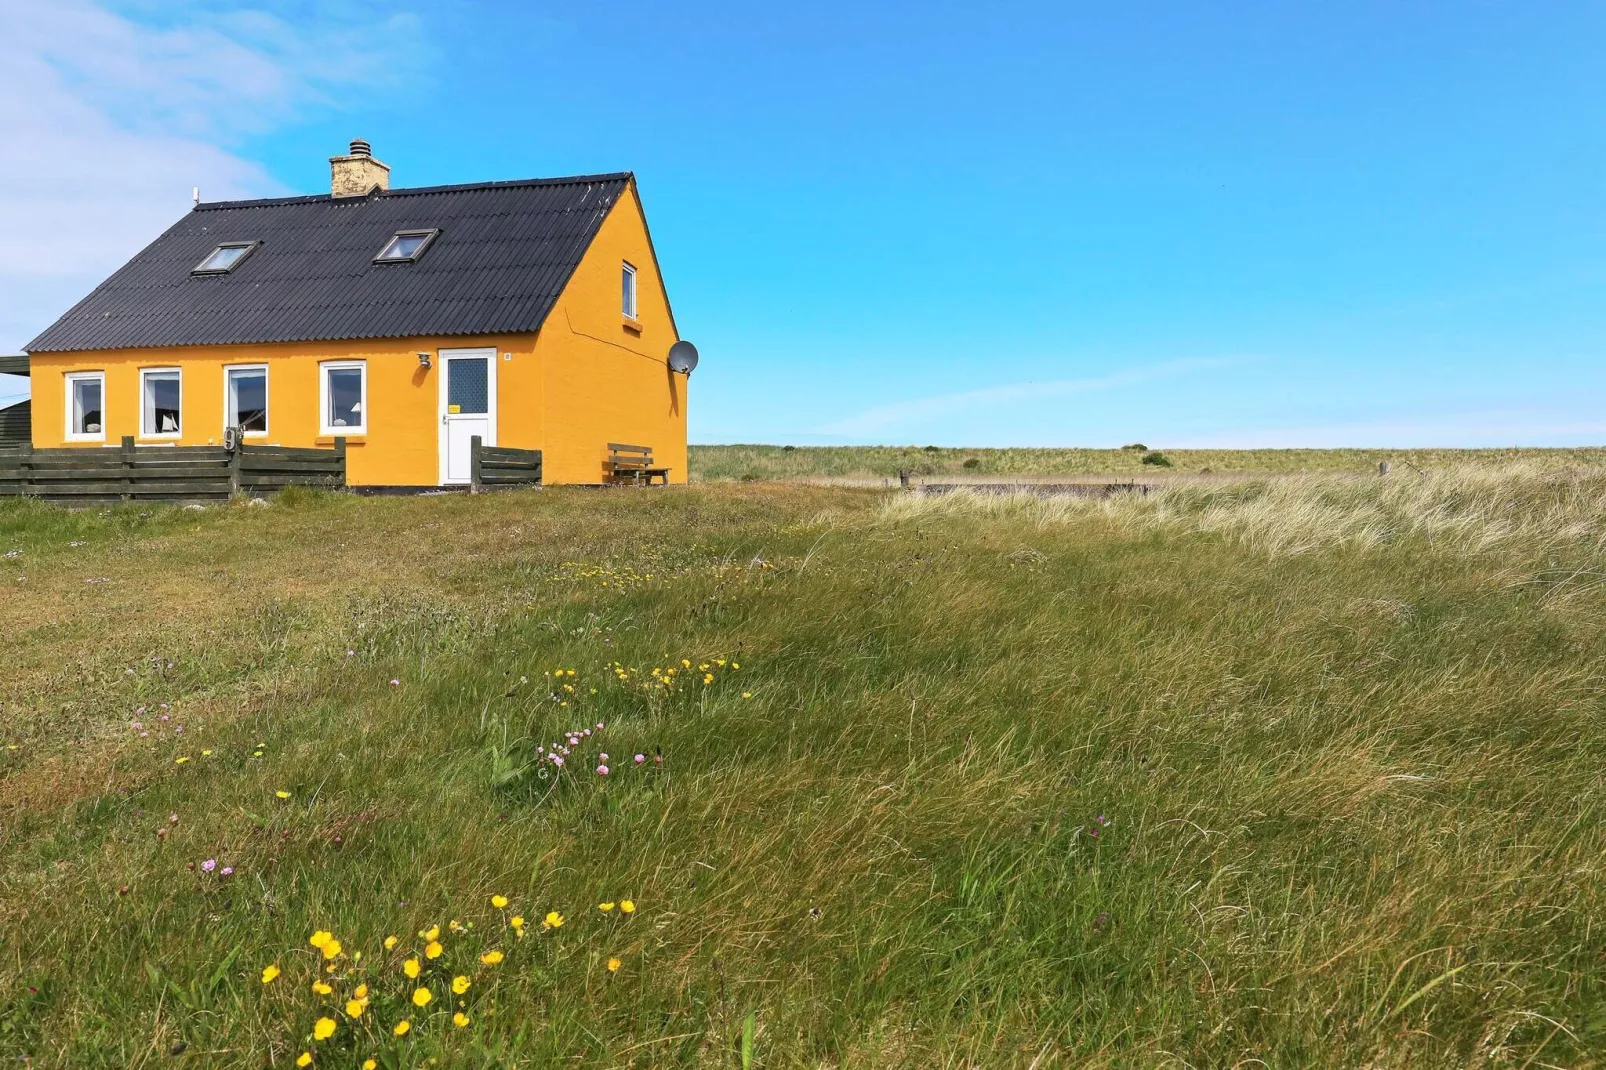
358 173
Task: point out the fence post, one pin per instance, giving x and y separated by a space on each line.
25 467
474 465
128 468
903 478
236 455
340 457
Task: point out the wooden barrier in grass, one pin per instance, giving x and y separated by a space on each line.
500 466
129 473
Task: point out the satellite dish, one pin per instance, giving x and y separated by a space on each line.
682 357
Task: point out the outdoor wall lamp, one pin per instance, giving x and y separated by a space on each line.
423 360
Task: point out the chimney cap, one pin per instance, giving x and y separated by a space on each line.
359 147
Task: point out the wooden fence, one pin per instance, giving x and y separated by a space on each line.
499 466
131 473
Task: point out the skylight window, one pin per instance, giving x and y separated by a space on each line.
405 246
225 258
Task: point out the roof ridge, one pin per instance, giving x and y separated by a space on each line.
407 191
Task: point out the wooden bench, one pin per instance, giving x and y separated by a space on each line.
633 464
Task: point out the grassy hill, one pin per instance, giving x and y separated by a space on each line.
875 464
1303 771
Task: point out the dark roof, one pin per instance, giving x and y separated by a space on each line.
14 365
504 253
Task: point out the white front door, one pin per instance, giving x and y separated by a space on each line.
468 408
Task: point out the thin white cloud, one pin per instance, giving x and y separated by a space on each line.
109 122
921 415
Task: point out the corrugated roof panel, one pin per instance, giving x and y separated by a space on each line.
505 252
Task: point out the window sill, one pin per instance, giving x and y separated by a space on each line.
159 440
632 324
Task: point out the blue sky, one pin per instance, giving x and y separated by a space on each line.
1006 224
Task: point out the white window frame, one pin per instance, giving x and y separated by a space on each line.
324 368
228 371
146 373
77 377
629 271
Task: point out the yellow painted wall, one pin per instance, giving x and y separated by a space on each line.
401 446
585 380
604 380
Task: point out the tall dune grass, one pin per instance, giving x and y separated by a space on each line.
1467 509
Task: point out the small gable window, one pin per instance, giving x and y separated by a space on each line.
627 291
405 246
225 258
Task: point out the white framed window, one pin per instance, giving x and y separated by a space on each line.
161 393
86 406
627 290
245 398
343 397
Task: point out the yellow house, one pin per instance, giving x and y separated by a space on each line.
529 313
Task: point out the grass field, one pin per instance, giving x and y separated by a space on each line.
1277 773
877 464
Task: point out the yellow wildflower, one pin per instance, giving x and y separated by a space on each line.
604 907
331 948
422 996
708 678
323 1029
499 901
321 988
304 1059
433 949
627 906
269 972
390 942
460 984
369 1064
355 1007
491 958
553 920
362 992
410 967
282 794
747 694
431 933
320 938
736 665
460 1019
401 1028
517 921
182 760
206 754
613 965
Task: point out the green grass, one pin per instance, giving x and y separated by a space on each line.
1346 736
876 464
